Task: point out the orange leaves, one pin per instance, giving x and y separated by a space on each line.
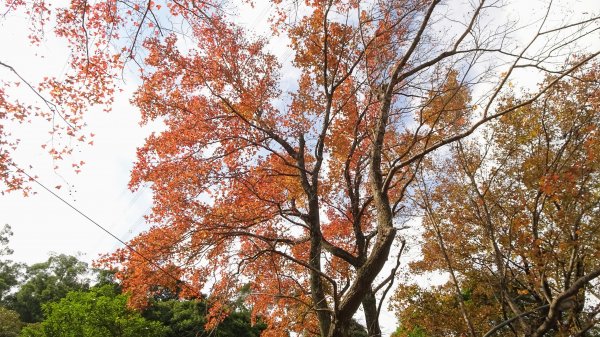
447 108
88 77
299 183
518 202
242 163
315 47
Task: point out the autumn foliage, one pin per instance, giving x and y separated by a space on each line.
516 219
300 189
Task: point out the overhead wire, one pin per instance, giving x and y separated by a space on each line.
128 246
262 15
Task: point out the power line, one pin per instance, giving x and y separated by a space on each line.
131 248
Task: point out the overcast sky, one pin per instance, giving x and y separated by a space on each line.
41 223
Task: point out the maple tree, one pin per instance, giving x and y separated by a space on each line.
295 190
60 100
515 223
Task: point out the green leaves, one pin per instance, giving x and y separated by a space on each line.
188 318
9 271
97 313
10 325
46 282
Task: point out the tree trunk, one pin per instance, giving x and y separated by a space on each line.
316 281
369 304
339 329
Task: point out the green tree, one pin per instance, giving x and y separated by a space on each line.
182 318
10 325
9 270
99 312
188 318
48 282
106 277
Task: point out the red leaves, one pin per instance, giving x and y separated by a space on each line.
283 179
89 78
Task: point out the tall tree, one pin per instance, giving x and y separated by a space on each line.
95 313
9 270
515 222
48 282
188 318
295 186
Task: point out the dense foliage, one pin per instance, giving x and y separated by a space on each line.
10 324
62 297
188 318
47 282
296 176
514 223
9 270
98 312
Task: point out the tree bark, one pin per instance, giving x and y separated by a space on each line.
369 304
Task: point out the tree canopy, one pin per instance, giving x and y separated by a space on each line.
188 318
294 179
10 324
514 222
9 270
55 298
47 282
95 313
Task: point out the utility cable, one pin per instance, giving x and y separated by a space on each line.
131 248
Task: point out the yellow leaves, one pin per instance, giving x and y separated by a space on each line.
519 197
447 108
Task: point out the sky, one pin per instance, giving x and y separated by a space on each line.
43 224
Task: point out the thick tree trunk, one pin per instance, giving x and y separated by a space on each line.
369 304
384 239
316 280
339 329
